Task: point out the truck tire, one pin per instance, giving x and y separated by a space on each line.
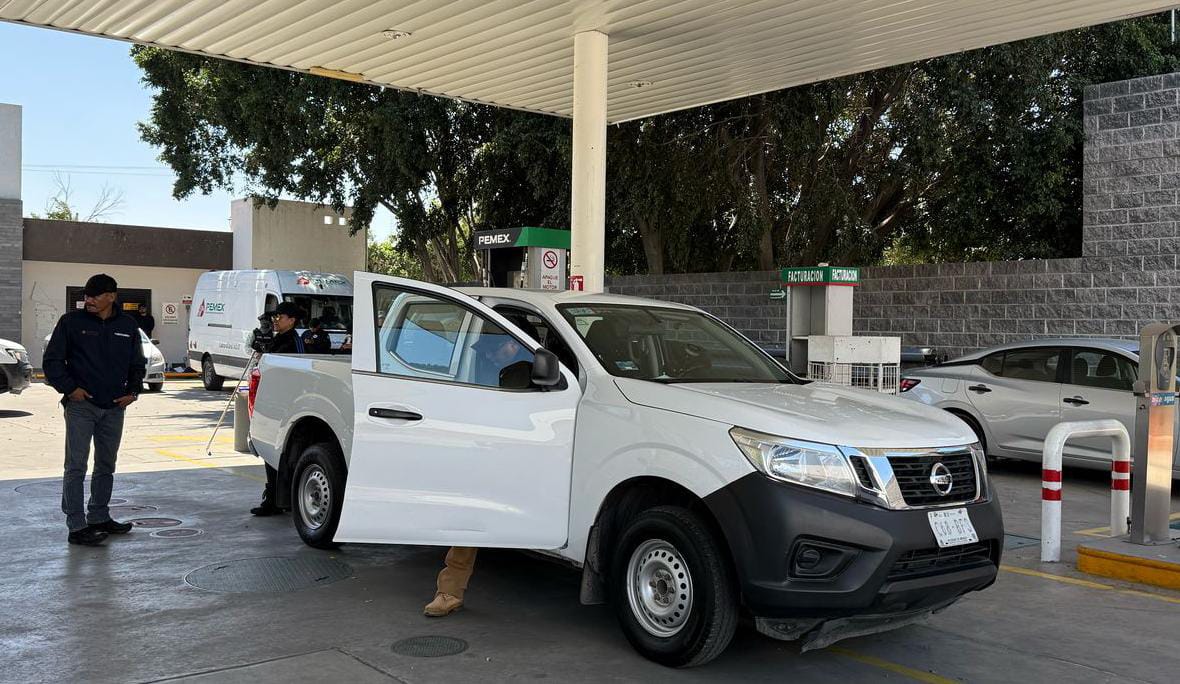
155 386
209 375
672 588
317 492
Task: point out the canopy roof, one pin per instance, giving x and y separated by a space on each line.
665 55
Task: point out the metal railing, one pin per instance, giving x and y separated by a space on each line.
1120 479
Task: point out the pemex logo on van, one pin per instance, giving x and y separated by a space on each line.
211 307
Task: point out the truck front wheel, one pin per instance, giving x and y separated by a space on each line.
317 492
672 588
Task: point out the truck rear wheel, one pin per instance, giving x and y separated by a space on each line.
317 492
209 375
672 588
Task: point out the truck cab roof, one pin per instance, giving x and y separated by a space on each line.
551 298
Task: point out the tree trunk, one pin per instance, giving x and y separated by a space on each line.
653 245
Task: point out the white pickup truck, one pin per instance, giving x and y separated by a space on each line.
689 475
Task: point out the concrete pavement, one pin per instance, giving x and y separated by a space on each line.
126 613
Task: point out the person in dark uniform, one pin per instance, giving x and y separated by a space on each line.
315 340
95 360
285 341
147 322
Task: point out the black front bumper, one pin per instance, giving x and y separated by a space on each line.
886 564
15 377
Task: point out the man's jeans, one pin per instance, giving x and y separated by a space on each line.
84 422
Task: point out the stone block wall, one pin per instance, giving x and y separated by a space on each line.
1127 276
11 237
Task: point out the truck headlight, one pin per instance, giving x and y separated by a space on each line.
821 466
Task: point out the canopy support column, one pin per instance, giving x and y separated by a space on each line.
588 189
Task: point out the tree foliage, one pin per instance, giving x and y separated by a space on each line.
972 156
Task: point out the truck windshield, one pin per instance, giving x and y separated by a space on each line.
334 313
669 345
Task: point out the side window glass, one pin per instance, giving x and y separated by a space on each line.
425 337
498 359
1031 364
540 330
993 363
1093 368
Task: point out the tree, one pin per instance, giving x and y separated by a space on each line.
971 156
60 206
385 258
443 168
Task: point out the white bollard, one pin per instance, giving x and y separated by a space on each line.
1120 485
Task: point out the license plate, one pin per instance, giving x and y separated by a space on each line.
952 528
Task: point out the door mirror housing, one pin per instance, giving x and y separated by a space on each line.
546 369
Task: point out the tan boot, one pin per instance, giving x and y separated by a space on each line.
442 605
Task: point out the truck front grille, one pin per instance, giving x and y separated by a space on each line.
935 561
914 474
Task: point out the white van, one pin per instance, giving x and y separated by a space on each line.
227 304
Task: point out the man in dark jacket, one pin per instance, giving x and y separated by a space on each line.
315 339
95 359
147 322
285 341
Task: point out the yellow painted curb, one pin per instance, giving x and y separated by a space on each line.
1131 568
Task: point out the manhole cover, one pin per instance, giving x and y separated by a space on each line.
429 646
154 522
1016 541
269 574
52 488
176 533
123 511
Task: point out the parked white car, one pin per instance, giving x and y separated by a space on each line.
686 472
15 371
1012 395
154 373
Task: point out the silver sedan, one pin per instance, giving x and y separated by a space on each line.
1012 395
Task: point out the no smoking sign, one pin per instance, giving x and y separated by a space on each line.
549 259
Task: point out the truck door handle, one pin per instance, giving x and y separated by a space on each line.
1076 401
394 414
980 389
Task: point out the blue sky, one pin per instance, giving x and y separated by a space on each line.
82 98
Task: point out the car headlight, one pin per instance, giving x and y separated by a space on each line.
157 358
980 458
821 466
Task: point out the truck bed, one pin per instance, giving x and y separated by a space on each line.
296 387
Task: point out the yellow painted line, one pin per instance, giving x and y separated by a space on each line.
191 438
1088 584
896 668
203 463
1105 531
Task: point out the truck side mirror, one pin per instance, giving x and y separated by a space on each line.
546 369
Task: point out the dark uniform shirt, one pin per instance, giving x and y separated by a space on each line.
317 342
103 357
287 343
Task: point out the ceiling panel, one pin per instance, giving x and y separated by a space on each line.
519 53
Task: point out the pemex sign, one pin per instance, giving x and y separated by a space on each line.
821 275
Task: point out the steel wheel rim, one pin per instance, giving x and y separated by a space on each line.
659 588
315 497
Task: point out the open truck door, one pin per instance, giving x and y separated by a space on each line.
454 441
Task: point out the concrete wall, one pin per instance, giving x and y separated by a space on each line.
44 299
109 243
10 151
294 235
10 221
10 269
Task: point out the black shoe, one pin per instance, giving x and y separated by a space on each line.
265 510
112 527
88 536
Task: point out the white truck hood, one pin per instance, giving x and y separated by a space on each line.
814 412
